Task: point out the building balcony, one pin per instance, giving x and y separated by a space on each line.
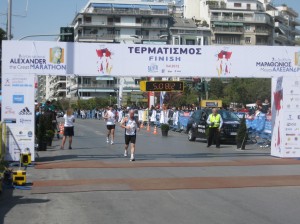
105 86
230 30
280 37
114 24
294 21
277 15
226 42
282 26
263 32
264 19
97 37
112 11
295 31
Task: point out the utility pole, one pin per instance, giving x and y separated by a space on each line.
9 16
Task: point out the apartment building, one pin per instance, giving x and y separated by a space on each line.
118 21
285 24
233 22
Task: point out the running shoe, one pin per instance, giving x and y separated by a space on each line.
111 142
107 140
132 159
125 154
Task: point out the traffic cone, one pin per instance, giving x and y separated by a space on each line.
155 131
148 127
61 129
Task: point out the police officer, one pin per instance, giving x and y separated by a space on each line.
215 123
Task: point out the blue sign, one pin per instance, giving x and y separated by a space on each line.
18 99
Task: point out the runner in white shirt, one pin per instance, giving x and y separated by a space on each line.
110 118
131 125
68 128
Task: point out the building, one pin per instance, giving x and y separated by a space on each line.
118 21
285 24
233 22
187 32
41 89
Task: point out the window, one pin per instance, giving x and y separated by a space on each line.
86 94
190 42
110 31
138 20
238 5
137 81
138 32
117 20
88 19
199 41
86 81
247 27
248 6
248 40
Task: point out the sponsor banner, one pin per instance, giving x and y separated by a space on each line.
97 59
18 114
286 130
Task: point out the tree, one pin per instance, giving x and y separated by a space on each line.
216 88
2 35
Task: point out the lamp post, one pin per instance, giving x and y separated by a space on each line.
110 99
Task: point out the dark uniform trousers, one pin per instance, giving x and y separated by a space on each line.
213 134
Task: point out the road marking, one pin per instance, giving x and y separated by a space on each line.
101 164
185 183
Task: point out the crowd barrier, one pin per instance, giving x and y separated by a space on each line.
260 125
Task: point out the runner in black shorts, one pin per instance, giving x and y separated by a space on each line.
110 118
131 125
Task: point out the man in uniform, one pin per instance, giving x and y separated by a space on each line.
215 123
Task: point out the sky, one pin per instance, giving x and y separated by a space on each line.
47 16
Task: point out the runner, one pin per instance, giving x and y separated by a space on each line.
68 128
131 125
110 118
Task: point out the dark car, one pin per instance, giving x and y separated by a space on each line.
197 126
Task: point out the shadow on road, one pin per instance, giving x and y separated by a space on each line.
159 156
9 201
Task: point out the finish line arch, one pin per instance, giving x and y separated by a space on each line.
22 60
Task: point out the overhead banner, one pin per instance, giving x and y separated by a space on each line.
98 59
286 122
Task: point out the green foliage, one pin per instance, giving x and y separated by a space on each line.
247 90
164 127
41 133
216 88
2 35
50 134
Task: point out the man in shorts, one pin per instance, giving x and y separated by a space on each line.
131 126
110 118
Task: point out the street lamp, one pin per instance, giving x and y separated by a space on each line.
110 99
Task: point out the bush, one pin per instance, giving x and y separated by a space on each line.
165 127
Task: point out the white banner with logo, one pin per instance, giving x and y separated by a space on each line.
97 59
286 122
18 113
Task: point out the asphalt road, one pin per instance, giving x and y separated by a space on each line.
114 204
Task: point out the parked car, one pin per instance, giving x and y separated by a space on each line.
197 126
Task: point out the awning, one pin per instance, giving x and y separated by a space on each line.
122 6
236 24
101 5
220 24
141 6
159 7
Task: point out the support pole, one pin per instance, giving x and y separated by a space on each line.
9 18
